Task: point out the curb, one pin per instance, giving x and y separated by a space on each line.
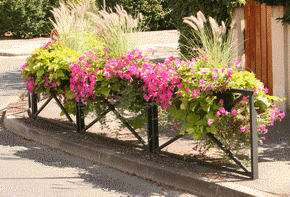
168 176
13 54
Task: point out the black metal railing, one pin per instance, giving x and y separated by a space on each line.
152 128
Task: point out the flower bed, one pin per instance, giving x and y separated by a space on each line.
193 92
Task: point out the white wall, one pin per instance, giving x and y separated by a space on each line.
280 57
238 35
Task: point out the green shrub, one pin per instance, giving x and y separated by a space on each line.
156 13
24 18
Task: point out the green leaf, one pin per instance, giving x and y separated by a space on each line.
69 94
192 117
105 91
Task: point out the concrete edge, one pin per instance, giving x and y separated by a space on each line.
166 176
13 54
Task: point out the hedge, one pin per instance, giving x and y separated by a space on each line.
24 18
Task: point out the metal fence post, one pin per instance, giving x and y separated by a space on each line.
33 103
149 126
254 138
155 138
152 130
80 117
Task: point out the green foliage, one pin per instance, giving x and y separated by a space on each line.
48 66
24 18
286 3
156 13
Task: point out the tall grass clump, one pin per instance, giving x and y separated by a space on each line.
116 28
210 40
74 25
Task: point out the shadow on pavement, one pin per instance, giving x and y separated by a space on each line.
89 172
276 146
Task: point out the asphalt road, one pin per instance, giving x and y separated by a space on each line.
28 168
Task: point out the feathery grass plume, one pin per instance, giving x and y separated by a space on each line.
115 28
209 40
73 24
191 24
201 17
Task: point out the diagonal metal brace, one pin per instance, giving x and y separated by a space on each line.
125 123
62 108
230 154
168 142
97 119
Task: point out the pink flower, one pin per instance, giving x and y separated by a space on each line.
234 112
204 88
210 86
266 90
171 58
282 115
218 113
201 82
245 98
203 73
221 101
175 127
209 122
262 128
180 86
237 63
248 128
274 106
243 129
230 72
192 71
213 77
24 66
222 110
188 90
263 138
277 112
271 122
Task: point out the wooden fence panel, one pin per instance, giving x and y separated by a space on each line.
258 42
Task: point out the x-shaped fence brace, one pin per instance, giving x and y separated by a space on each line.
152 126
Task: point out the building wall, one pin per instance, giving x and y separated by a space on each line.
280 42
238 35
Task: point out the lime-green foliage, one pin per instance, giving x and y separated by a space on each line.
53 63
24 18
